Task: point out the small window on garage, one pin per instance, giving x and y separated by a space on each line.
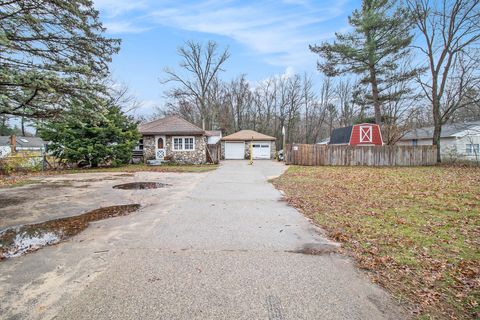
264 145
256 146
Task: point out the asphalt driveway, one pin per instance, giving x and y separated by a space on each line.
225 246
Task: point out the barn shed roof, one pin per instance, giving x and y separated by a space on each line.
341 135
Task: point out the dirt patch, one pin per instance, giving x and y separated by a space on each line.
141 185
20 240
316 249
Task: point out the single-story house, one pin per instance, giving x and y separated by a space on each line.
20 143
173 138
237 145
460 140
365 134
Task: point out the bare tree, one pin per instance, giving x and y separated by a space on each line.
343 93
310 106
449 29
240 102
202 63
265 100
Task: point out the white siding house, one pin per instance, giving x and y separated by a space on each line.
458 140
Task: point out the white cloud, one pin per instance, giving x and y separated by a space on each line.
114 8
280 33
123 27
277 31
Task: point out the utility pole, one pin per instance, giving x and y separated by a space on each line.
251 152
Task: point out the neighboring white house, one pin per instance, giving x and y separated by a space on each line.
457 140
23 143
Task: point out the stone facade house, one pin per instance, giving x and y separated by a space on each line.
237 145
173 138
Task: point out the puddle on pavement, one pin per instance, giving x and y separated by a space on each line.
316 249
19 240
141 185
11 201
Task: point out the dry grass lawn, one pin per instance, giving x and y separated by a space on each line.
417 230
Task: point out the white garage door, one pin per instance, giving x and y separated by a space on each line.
261 150
234 150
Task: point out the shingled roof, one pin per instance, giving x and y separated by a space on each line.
23 142
248 135
448 131
341 135
170 125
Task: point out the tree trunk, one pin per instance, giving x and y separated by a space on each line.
437 131
23 126
376 102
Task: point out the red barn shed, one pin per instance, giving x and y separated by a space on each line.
365 134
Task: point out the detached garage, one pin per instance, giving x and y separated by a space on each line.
237 145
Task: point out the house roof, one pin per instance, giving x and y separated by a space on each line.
23 142
248 135
213 133
448 131
341 135
170 125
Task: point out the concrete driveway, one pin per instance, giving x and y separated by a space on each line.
222 247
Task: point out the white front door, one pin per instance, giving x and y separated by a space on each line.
160 144
261 150
234 150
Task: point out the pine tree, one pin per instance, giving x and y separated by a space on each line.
380 38
86 138
51 53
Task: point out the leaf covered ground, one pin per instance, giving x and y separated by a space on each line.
23 178
417 230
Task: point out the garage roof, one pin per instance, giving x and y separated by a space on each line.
170 125
248 135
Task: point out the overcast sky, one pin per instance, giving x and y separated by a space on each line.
264 37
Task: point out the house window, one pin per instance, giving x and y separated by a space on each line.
188 144
160 143
414 142
472 149
183 143
140 144
177 143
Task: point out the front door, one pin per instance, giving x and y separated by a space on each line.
160 144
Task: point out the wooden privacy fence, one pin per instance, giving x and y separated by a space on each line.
335 155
